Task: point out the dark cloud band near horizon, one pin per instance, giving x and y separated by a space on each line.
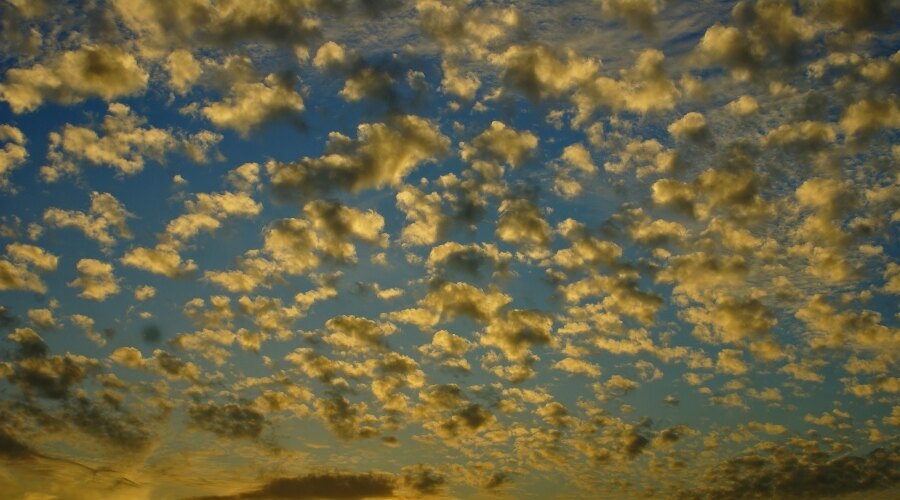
299 249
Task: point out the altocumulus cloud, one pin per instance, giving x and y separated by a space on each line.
450 248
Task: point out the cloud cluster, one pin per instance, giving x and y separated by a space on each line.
124 145
383 154
487 246
104 71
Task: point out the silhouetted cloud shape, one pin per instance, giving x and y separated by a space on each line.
151 334
783 473
11 447
230 420
322 485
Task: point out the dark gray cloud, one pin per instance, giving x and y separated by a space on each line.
322 485
11 447
496 480
785 473
861 15
52 377
230 420
635 444
424 479
345 419
151 334
110 425
6 319
29 343
470 418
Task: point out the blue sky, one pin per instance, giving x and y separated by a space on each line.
369 249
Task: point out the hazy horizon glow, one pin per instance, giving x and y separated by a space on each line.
450 249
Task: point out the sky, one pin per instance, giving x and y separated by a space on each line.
299 249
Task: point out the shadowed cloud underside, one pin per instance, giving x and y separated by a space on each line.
342 249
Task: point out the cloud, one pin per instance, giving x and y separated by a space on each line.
33 255
763 32
645 157
105 213
501 144
578 366
738 321
42 318
464 421
645 230
245 178
16 276
730 362
338 224
449 349
645 88
743 106
466 258
586 251
867 117
458 84
183 70
518 332
833 329
331 56
291 243
96 279
867 15
454 239
357 334
104 71
322 485
201 24
362 79
540 73
621 296
14 270
344 419
423 479
37 374
460 28
30 344
297 245
12 156
521 223
162 259
367 82
448 300
86 323
807 136
427 220
144 292
249 105
573 170
892 278
790 473
124 145
162 363
110 424
13 448
381 155
207 211
579 157
698 274
229 420
640 14
691 126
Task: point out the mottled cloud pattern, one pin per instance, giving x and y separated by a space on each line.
342 249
